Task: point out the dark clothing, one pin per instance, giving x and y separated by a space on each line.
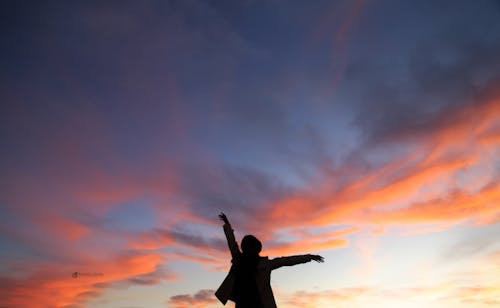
246 292
231 287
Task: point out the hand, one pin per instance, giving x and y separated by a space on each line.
223 217
317 258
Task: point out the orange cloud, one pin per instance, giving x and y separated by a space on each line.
428 229
52 285
69 229
154 239
429 184
455 207
305 246
308 243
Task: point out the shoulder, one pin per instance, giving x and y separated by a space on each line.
264 260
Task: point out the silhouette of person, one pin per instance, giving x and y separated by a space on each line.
248 282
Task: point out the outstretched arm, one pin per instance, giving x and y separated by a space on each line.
231 241
294 260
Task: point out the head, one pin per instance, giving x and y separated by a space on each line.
250 245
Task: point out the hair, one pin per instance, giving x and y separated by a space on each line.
250 245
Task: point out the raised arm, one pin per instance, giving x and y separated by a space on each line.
231 241
294 260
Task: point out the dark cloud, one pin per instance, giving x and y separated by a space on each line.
127 68
152 278
198 241
229 188
449 69
202 297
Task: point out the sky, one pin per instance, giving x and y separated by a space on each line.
366 131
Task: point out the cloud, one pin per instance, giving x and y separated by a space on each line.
199 241
471 247
52 284
305 246
349 16
442 295
312 299
439 73
153 278
202 299
308 243
458 207
222 187
389 194
436 182
153 239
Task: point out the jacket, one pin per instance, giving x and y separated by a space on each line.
263 273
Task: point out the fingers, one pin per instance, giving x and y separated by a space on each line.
318 258
223 217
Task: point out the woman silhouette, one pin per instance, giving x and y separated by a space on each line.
248 283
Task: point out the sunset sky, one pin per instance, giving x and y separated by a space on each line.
366 131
